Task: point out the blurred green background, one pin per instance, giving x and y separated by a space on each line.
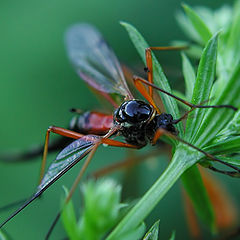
39 86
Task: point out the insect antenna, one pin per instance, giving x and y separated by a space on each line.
139 79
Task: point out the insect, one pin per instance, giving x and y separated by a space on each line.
138 122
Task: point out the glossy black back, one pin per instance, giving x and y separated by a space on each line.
133 112
139 123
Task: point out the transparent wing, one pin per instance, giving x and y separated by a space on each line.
67 158
94 60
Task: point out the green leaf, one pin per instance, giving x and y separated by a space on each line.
216 119
234 160
152 233
172 236
68 218
202 87
181 95
189 76
3 236
234 35
159 78
198 24
232 129
182 160
196 190
133 234
226 146
187 27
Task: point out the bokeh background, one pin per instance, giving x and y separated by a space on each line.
39 86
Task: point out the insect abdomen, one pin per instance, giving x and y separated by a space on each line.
92 123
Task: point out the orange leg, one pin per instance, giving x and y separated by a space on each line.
103 140
148 54
110 142
180 99
115 143
71 134
138 84
60 131
126 163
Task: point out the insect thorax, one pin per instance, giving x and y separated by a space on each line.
138 122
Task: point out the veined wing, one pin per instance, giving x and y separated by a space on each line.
66 159
94 60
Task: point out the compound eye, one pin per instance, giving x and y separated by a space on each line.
137 111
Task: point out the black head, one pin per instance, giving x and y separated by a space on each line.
165 121
133 112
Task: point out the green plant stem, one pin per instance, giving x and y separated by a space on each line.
182 160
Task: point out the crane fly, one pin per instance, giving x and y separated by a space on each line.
138 122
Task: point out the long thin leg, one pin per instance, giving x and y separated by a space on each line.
60 131
148 55
160 132
72 134
126 163
138 84
180 99
73 188
77 180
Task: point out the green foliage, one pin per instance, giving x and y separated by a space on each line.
189 76
202 126
101 211
158 74
172 236
198 24
3 236
152 233
202 87
214 130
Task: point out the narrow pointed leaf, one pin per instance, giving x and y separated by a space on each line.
232 129
233 40
172 236
203 86
216 119
152 233
134 234
187 27
159 78
198 24
226 146
234 160
69 219
3 236
189 76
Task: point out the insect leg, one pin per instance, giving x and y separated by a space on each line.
73 188
86 163
160 132
60 131
191 105
126 163
138 84
148 55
